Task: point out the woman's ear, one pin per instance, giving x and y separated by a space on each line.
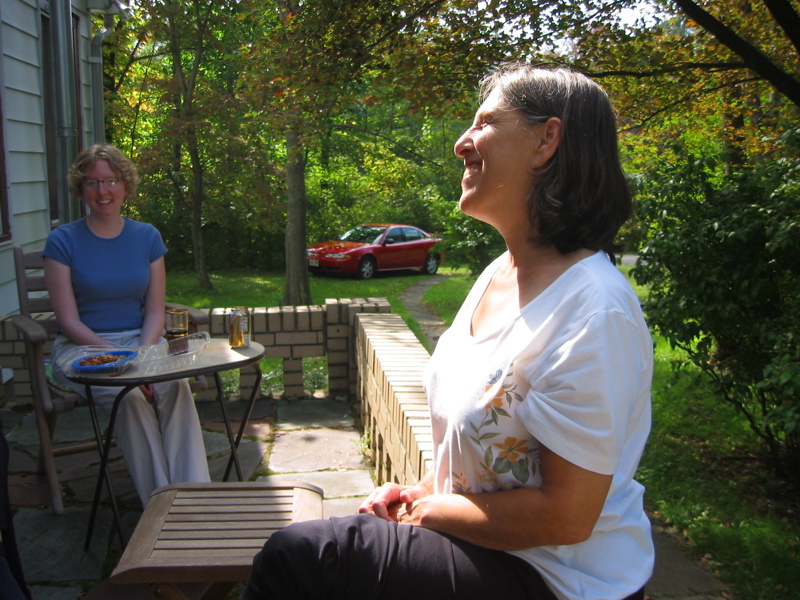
548 136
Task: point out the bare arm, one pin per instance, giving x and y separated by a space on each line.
564 510
59 285
153 325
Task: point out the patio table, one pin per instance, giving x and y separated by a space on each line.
218 356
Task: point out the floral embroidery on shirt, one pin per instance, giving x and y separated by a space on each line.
511 455
459 486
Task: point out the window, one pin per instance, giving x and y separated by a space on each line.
5 228
395 236
412 234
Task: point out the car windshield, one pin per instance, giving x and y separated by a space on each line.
366 234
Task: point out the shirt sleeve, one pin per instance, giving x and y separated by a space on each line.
58 247
583 400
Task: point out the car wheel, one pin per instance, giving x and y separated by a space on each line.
366 268
431 264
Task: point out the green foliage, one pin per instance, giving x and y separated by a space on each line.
470 243
724 276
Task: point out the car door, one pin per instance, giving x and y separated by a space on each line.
416 248
392 253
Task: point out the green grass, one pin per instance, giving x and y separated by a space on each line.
445 299
704 479
701 467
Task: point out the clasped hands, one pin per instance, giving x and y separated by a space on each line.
394 502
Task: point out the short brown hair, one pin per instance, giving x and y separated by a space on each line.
119 163
581 197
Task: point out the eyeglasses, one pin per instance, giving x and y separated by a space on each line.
93 184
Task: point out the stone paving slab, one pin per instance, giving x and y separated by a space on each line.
340 507
675 574
51 546
108 591
305 450
335 484
209 410
45 592
251 455
314 413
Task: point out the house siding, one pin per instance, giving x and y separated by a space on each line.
22 85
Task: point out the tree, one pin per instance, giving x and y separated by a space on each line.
307 68
312 65
176 68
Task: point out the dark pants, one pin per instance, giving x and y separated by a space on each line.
12 581
364 557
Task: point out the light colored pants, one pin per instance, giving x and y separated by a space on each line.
162 442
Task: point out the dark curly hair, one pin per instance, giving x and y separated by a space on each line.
119 163
581 197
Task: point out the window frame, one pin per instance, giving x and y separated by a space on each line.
5 223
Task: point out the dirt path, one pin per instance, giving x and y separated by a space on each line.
428 322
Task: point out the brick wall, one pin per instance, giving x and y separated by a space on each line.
394 408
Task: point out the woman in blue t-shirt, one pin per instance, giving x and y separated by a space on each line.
106 277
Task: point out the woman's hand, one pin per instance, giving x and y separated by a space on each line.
391 500
147 390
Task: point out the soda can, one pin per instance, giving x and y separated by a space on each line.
240 327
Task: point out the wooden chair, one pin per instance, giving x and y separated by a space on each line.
37 325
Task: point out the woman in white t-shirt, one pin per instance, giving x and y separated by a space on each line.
539 392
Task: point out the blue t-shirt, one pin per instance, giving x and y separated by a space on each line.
110 277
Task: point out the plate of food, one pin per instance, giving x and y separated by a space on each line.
110 361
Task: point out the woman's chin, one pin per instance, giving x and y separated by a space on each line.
471 207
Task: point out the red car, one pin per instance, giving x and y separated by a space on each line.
367 249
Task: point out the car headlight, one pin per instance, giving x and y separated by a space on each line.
336 256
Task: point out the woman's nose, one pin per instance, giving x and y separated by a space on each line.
463 144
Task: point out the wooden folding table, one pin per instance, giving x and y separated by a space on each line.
209 533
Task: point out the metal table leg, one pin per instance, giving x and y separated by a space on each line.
245 419
104 472
234 453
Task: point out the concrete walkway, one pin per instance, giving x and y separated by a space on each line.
311 439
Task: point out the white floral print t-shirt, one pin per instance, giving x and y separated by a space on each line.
572 370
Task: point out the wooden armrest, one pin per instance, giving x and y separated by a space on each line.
196 316
31 330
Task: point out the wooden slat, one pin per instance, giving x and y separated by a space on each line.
220 545
261 533
226 495
223 525
221 501
210 532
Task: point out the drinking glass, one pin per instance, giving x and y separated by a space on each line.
176 323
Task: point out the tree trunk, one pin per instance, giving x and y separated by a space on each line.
297 291
198 190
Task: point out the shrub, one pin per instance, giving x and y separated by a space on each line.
721 262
